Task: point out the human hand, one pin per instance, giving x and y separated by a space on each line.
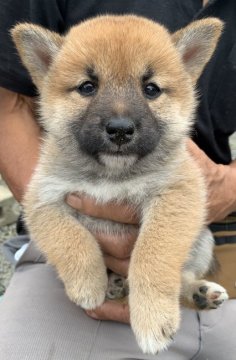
220 181
116 249
111 310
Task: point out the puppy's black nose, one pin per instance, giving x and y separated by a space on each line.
120 130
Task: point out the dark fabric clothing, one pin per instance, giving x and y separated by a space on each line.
60 15
216 119
225 231
217 86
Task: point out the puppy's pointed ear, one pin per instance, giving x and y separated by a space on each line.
37 48
196 44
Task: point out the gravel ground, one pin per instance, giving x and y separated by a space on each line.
6 269
233 145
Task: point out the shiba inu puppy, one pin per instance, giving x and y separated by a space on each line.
117 102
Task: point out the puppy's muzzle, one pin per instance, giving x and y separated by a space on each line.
120 130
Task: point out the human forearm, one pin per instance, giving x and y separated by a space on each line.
233 164
19 141
232 183
221 184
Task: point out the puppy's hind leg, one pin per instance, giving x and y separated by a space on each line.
117 287
201 293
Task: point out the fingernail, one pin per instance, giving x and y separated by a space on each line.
75 201
74 193
92 314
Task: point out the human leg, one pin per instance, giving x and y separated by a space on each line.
38 322
218 333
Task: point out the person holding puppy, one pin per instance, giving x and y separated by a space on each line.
18 124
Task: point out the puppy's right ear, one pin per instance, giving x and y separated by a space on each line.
37 48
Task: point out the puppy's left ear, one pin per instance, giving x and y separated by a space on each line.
37 47
196 44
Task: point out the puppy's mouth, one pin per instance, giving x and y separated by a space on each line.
117 160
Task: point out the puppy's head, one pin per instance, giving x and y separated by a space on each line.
119 87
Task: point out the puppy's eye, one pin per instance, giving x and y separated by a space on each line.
151 91
87 88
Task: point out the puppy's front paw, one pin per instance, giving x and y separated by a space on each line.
88 290
154 321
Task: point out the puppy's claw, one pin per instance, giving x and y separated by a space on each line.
154 323
88 293
89 299
151 345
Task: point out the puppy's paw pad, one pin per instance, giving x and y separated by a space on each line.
117 287
209 295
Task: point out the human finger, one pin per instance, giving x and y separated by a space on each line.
111 310
116 265
119 247
122 213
